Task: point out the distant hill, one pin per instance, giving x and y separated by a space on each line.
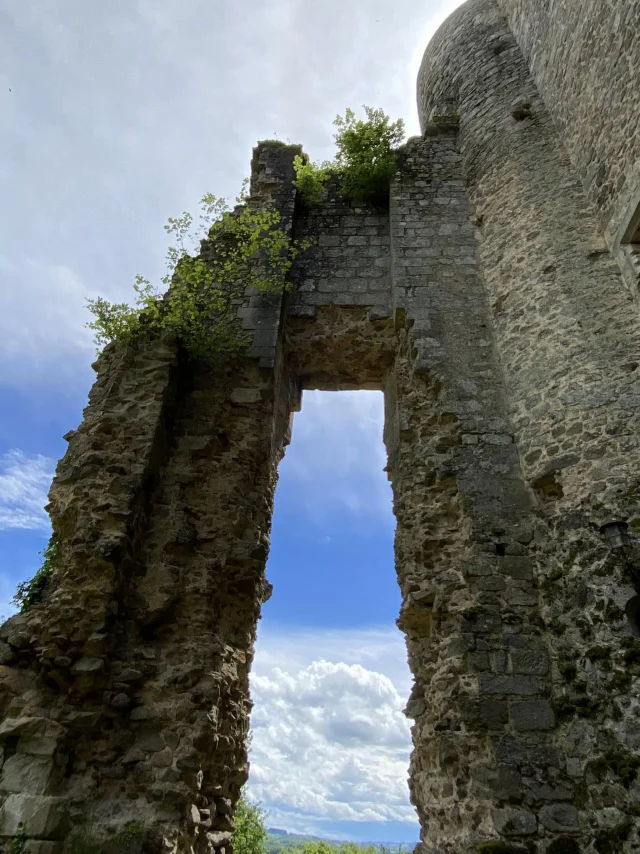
280 841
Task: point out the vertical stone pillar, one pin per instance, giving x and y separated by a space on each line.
125 694
483 759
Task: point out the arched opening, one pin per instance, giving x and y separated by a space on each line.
330 743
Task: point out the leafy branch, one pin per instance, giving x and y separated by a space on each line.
31 592
365 161
209 268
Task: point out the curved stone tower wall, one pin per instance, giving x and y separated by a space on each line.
567 337
585 59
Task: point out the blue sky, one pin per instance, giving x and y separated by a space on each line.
116 116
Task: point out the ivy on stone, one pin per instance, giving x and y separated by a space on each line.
31 592
208 271
366 159
19 841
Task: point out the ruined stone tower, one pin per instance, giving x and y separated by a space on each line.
495 301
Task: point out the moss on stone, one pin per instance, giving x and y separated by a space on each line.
631 648
613 613
556 575
581 796
598 653
610 841
620 762
581 707
569 671
620 682
127 841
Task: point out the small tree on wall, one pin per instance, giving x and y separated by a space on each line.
365 161
208 271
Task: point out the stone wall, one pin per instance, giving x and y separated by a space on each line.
585 59
465 527
486 304
567 340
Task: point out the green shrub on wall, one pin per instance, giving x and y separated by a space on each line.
365 161
31 592
208 270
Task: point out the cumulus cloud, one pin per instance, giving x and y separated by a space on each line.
330 741
24 483
349 479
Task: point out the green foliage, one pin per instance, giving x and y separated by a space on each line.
31 592
320 846
208 270
366 159
311 179
611 841
365 162
19 841
295 844
621 762
250 834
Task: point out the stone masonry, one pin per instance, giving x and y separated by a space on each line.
494 301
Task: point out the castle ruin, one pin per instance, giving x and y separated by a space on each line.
495 302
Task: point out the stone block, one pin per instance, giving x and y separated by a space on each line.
41 846
42 817
511 822
7 654
501 683
560 818
486 713
245 396
517 567
150 742
532 662
29 727
87 665
15 631
530 715
24 773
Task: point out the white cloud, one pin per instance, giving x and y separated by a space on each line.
24 483
330 741
108 135
43 318
349 478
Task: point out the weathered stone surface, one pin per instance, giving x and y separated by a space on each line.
26 773
42 816
560 817
512 822
529 715
484 302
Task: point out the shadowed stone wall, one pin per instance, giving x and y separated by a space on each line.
484 301
585 59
